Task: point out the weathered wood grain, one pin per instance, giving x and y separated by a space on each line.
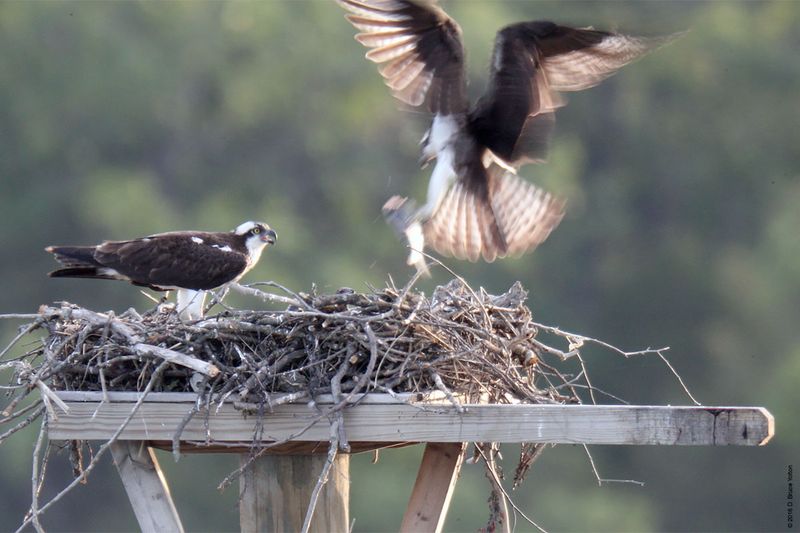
571 424
291 447
146 487
436 480
275 492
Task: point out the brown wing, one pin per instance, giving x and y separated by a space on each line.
531 62
577 59
513 218
418 47
173 260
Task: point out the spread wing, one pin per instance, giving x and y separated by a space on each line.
170 260
531 63
510 218
418 47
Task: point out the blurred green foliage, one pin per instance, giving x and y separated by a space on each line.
125 118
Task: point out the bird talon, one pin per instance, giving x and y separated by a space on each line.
399 213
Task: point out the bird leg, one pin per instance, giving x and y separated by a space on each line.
442 178
190 304
404 218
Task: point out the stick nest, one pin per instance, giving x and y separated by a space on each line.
459 341
465 343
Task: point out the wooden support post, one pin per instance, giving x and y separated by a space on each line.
275 491
146 487
436 480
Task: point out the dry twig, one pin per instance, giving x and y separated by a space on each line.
466 343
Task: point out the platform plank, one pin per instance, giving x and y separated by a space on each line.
400 422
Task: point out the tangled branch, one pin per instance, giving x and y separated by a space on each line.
467 344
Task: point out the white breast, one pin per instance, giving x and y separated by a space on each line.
254 248
442 133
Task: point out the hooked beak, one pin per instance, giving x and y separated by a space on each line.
269 237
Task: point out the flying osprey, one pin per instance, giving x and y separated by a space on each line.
189 261
476 205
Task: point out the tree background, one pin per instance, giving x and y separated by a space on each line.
125 118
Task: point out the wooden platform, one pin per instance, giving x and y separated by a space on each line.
276 486
379 420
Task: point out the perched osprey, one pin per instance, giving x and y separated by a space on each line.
476 205
189 261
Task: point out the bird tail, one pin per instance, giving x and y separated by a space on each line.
514 217
82 272
70 256
78 262
525 213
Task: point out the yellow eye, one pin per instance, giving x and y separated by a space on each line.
256 231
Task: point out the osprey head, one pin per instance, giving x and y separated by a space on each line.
256 235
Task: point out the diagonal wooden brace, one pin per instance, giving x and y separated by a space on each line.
436 480
146 487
